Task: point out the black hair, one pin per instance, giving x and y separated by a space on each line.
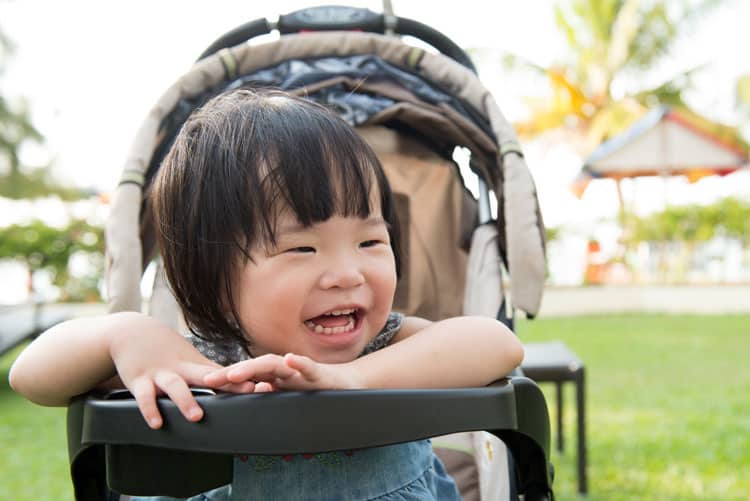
236 162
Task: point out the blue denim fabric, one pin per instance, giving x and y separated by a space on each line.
402 472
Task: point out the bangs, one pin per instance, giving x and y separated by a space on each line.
314 166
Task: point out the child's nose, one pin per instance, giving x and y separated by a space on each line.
342 274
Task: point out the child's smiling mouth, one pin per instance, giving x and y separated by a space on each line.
337 321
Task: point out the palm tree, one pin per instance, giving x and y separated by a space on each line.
611 42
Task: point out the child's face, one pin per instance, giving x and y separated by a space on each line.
323 291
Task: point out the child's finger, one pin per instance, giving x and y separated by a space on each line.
178 391
306 366
145 396
217 378
264 387
265 368
246 387
195 373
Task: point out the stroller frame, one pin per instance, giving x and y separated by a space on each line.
110 444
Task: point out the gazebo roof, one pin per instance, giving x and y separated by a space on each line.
668 141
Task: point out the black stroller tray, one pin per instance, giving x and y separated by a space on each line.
184 458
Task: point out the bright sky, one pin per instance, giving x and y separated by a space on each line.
92 70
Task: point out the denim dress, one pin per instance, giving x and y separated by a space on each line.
401 472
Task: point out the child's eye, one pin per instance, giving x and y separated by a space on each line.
301 249
370 243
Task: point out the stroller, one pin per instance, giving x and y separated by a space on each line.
414 108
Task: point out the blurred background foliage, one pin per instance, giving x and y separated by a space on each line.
597 90
695 223
19 181
71 256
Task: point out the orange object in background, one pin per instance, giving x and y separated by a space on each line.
596 266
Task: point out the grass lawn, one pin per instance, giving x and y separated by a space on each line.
34 458
668 413
668 404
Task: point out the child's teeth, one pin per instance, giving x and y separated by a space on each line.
342 312
319 329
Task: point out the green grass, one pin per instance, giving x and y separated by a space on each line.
34 458
668 413
668 404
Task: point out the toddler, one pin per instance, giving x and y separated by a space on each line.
280 242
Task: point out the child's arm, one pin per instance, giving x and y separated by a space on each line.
77 356
457 352
453 353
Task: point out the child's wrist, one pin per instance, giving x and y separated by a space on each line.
127 325
354 377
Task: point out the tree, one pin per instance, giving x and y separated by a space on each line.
611 43
39 246
19 181
683 228
45 248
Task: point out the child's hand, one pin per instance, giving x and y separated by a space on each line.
161 362
290 372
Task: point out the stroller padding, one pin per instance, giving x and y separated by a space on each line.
311 422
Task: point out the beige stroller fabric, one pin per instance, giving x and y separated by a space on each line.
476 460
483 297
484 285
433 209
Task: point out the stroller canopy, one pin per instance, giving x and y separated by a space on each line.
371 79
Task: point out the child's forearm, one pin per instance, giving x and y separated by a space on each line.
458 352
71 358
149 358
455 353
